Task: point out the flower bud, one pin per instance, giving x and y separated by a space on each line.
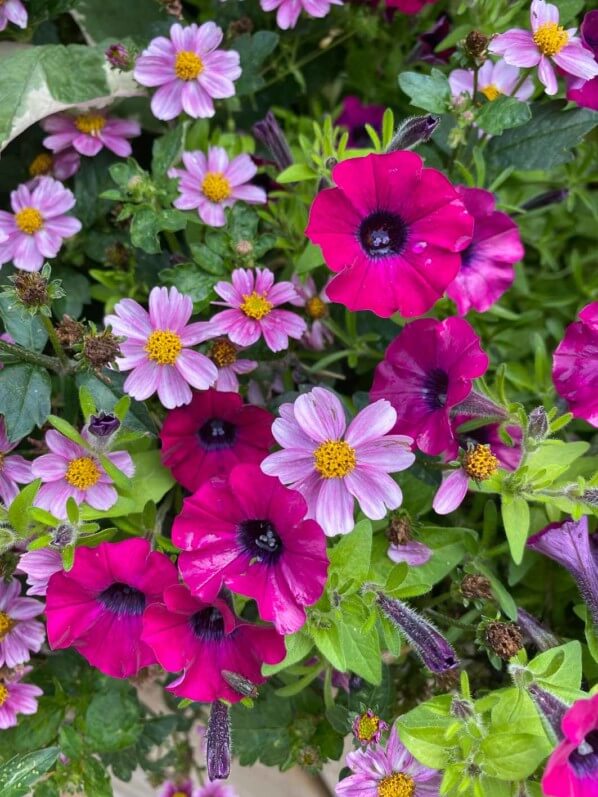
413 131
504 639
462 708
218 742
399 529
476 44
63 535
31 288
479 406
546 199
269 133
551 709
590 496
119 57
103 425
537 424
368 727
540 636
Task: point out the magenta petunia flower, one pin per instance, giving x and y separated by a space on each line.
89 132
487 264
14 469
388 770
249 534
575 365
546 43
97 607
72 471
13 11
20 634
211 435
39 566
392 230
585 92
317 335
509 456
156 349
253 299
203 639
355 116
427 370
495 79
332 465
288 11
572 769
210 183
34 231
223 354
408 6
16 697
189 70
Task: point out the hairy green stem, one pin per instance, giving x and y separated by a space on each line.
32 357
56 344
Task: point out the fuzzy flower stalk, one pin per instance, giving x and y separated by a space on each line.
218 742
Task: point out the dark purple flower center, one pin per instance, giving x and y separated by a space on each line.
123 599
208 624
584 760
435 388
260 540
217 434
382 234
467 257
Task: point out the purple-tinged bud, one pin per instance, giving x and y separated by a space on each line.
546 199
590 496
118 56
434 650
270 134
551 709
64 535
218 742
413 131
533 630
537 424
103 425
368 727
461 708
240 684
479 406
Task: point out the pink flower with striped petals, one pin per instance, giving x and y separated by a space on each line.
89 132
20 634
16 697
14 469
289 11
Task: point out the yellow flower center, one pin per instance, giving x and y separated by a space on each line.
90 123
223 353
215 187
180 794
367 727
315 307
334 459
255 305
188 65
480 463
41 164
6 625
550 38
491 92
82 473
29 220
3 689
163 346
396 785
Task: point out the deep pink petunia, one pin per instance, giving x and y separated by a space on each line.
20 634
487 264
250 535
427 370
408 6
157 348
14 469
203 639
392 230
332 464
355 116
288 11
211 182
572 769
253 300
585 92
13 11
575 365
36 228
39 566
213 434
97 607
16 697
189 70
89 132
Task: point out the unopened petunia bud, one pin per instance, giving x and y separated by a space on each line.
540 636
413 131
270 134
103 425
461 708
218 742
590 496
546 199
479 406
537 424
552 710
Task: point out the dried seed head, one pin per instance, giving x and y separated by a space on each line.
31 288
69 331
399 530
476 43
474 586
101 350
504 639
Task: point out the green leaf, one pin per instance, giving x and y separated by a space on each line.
86 400
18 511
115 20
253 50
430 92
25 393
513 756
192 281
350 557
516 520
167 150
502 114
106 397
22 771
35 731
422 731
113 720
67 429
361 647
262 733
26 330
505 601
297 173
298 646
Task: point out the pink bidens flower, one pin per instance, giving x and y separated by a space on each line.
60 165
288 11
223 354
210 183
494 80
88 133
13 11
317 335
190 71
253 299
572 769
97 607
487 264
249 534
72 471
14 469
16 697
575 365
547 42
392 230
19 632
156 348
34 231
477 463
39 566
427 370
332 465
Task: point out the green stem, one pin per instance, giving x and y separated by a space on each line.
172 241
56 344
32 357
308 58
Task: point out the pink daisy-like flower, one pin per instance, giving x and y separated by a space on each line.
34 231
190 71
179 788
414 553
20 634
585 92
392 230
253 299
509 456
213 434
427 370
60 165
97 607
156 348
203 639
495 79
289 11
13 11
317 335
547 42
16 697
387 770
331 464
368 728
39 566
487 264
572 769
89 132
478 463
249 534
210 183
355 116
14 469
72 471
223 354
217 789
575 365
